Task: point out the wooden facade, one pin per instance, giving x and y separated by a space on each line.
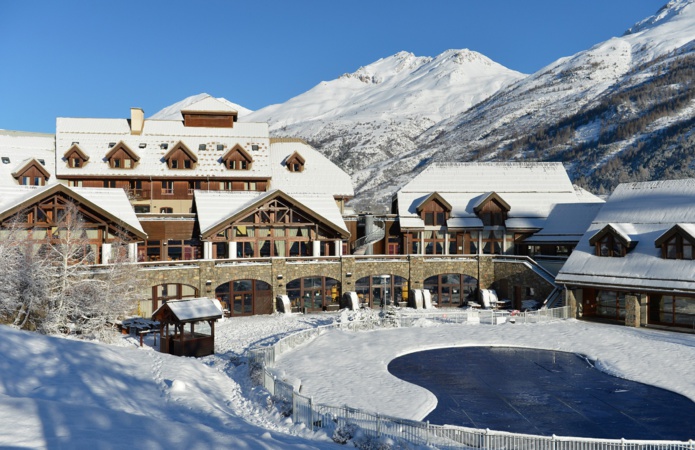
32 174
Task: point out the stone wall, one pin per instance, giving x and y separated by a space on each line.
205 275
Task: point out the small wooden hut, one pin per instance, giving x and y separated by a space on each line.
178 314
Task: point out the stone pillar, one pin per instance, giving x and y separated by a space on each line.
417 270
632 311
105 253
486 271
348 267
316 248
206 273
207 250
231 249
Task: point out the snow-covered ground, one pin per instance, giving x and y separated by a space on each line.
62 393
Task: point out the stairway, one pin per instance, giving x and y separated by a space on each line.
362 244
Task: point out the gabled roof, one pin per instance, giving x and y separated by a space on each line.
645 212
237 149
216 209
210 105
26 164
434 196
295 157
188 310
122 146
180 146
684 229
490 197
111 203
616 230
529 189
156 139
76 149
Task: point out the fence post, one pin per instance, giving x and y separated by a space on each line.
311 413
378 426
427 436
487 438
554 442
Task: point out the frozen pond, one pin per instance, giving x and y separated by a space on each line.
542 392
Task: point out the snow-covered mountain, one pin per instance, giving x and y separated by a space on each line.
173 112
600 111
377 112
622 110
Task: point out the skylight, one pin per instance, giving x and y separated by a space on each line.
254 147
164 146
202 147
220 147
142 145
111 144
5 160
43 162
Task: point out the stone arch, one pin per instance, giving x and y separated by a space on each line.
314 293
451 289
378 291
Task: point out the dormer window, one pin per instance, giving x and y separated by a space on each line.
677 243
31 173
611 241
492 209
75 156
434 210
122 157
180 157
237 159
295 163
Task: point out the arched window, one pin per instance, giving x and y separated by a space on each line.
314 293
451 289
162 293
245 297
378 291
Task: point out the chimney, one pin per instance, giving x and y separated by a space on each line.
137 120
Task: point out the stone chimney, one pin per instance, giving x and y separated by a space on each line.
137 120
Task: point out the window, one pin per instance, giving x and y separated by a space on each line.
167 187
220 147
75 183
75 162
109 183
142 145
43 162
141 209
202 147
187 164
678 247
174 164
166 210
610 246
164 146
5 160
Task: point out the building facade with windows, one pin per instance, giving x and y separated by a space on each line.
481 208
639 249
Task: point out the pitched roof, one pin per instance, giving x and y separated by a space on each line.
24 165
20 147
190 310
157 138
180 146
530 190
433 197
217 208
112 203
566 223
320 175
643 211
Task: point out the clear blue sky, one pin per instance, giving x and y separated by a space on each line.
96 58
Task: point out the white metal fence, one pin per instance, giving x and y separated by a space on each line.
446 437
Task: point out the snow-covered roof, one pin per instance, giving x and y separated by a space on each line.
566 223
643 212
192 309
112 202
530 189
96 136
216 207
18 148
319 175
